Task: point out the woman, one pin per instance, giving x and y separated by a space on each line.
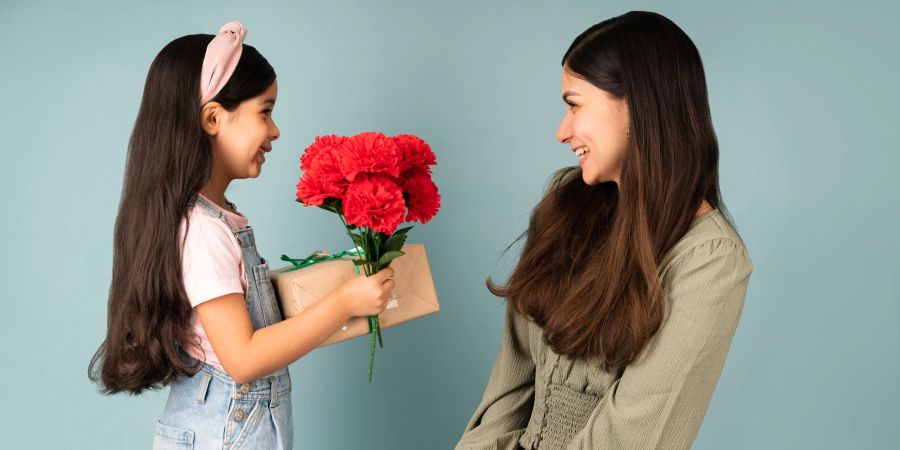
621 309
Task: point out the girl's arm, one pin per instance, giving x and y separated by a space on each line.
246 354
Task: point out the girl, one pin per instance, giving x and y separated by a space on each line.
631 282
191 304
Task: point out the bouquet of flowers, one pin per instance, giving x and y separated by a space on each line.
373 183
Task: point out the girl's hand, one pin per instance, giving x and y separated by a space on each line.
367 296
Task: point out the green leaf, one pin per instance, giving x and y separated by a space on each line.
332 204
403 231
330 207
395 242
388 257
360 262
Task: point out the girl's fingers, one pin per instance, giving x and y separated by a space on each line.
384 274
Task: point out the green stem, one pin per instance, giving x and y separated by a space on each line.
347 228
378 331
371 357
370 269
375 269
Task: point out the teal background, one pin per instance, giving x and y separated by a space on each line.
805 103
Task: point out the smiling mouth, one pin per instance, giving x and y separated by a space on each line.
581 152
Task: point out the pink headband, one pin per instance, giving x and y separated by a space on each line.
222 56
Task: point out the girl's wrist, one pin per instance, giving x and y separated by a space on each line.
342 305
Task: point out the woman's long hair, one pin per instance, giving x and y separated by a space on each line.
588 270
169 161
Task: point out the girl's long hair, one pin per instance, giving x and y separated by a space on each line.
169 161
588 270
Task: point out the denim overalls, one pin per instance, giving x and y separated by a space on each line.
210 410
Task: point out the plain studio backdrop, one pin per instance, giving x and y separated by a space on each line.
804 100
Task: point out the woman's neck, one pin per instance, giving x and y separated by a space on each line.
704 208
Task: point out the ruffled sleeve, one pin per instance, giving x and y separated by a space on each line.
661 398
505 409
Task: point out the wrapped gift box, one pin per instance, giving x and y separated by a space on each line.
414 294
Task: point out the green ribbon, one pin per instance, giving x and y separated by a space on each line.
315 258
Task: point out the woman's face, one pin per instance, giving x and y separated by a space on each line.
595 127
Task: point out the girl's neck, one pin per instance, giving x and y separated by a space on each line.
215 192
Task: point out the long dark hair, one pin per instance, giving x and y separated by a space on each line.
169 162
588 270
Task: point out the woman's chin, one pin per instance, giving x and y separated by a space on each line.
589 178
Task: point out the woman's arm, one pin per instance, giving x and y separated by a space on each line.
661 398
246 354
505 409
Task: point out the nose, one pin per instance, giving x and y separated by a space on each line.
276 132
564 133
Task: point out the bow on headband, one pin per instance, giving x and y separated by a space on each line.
222 56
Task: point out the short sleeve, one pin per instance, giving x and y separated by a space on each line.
211 260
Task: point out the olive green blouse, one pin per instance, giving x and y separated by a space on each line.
538 399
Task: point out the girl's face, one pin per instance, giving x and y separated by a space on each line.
245 135
595 127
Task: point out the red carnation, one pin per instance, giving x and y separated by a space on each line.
414 153
422 197
376 202
313 191
322 179
322 145
369 152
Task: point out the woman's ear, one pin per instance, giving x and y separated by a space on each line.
211 117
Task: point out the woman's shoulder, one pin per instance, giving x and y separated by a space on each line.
710 236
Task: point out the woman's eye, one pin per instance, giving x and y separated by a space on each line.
267 112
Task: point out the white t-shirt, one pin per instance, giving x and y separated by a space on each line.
212 266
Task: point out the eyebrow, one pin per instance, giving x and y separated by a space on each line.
269 101
568 94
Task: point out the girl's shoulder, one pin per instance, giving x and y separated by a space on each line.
233 218
202 229
201 213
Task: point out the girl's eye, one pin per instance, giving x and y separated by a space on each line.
571 105
267 112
